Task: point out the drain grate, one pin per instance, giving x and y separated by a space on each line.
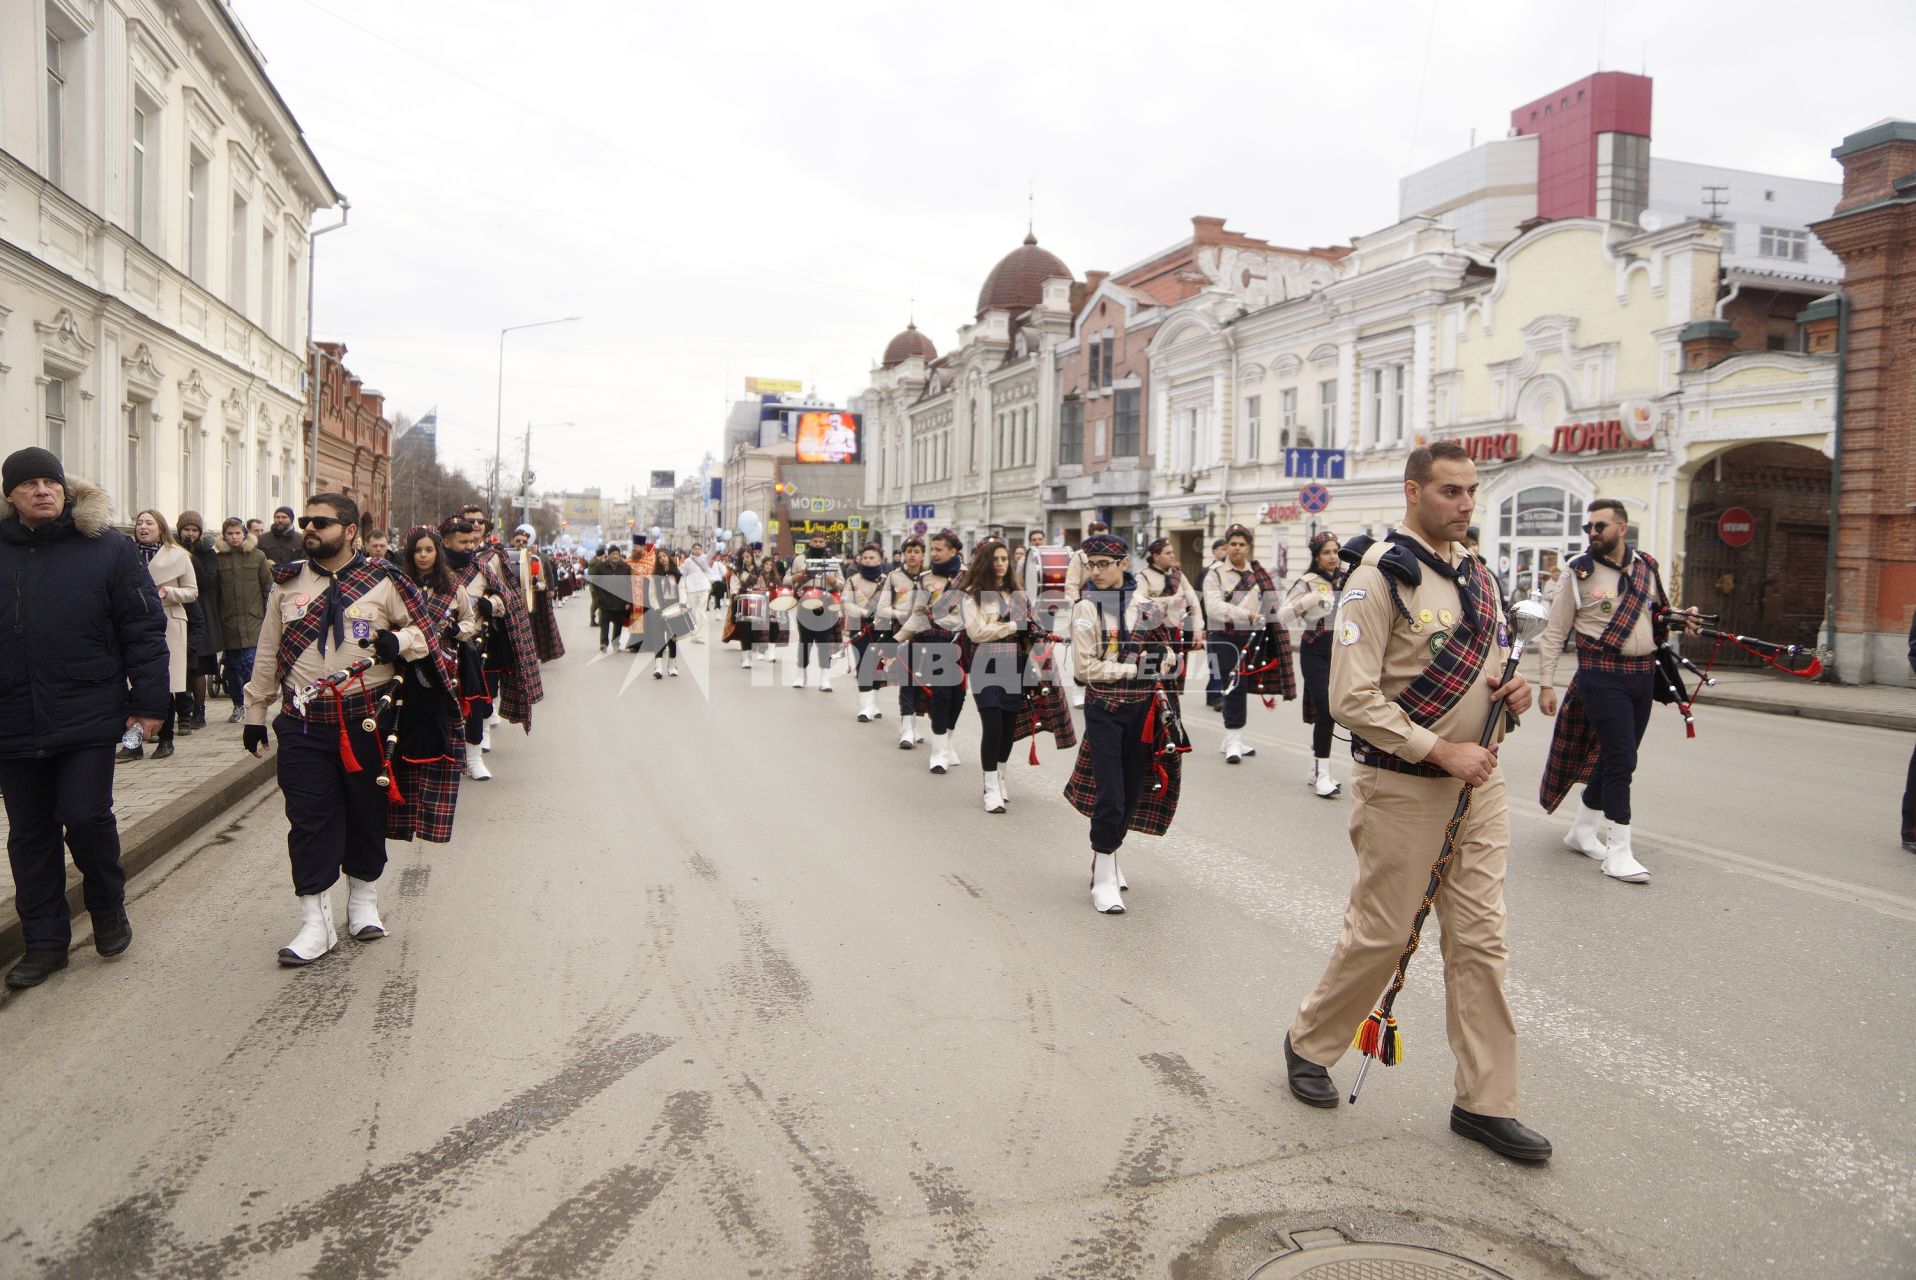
1361 1260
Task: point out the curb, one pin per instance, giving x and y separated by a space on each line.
151 838
1900 720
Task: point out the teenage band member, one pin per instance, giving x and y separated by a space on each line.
997 618
638 567
933 652
325 612
1421 641
1161 580
862 606
1233 612
1074 579
508 660
1127 655
901 598
427 747
537 593
1310 602
751 621
819 629
662 590
1610 600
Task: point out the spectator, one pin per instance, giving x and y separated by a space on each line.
281 543
255 527
695 586
172 572
84 660
204 639
245 580
378 545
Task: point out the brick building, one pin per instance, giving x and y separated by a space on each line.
355 438
1874 232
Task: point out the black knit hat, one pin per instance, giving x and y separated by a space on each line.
32 463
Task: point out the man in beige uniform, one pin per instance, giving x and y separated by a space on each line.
1410 753
327 611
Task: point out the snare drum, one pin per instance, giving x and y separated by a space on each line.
784 600
751 608
817 599
678 621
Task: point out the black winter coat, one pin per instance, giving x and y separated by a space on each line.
83 637
280 548
209 640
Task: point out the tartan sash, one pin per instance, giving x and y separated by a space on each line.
347 586
1457 665
1634 594
522 686
1268 656
1245 581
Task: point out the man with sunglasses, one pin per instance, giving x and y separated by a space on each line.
1611 599
327 611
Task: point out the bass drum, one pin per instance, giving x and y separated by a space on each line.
1046 569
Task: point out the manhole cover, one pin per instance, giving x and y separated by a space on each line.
1365 1261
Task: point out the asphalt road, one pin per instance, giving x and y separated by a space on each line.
717 982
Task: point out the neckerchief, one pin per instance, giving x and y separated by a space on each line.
353 580
1634 593
1459 573
1456 666
333 623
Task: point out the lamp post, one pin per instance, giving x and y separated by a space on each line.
499 404
525 464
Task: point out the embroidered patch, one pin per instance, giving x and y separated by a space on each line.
1355 593
362 629
1607 607
1503 636
1348 633
1437 642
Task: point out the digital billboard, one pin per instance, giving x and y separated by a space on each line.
827 435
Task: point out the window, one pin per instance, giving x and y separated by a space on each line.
1286 416
1327 413
1728 231
134 480
1374 433
189 468
198 191
1397 415
56 108
290 331
1127 438
268 254
1788 243
142 173
1105 351
1028 449
230 475
1071 433
56 417
1253 428
236 246
1092 363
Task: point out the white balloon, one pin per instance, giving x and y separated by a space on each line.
751 527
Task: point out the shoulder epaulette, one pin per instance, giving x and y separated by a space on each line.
285 573
1393 559
1582 565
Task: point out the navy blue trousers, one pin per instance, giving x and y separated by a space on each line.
336 820
1619 710
1121 763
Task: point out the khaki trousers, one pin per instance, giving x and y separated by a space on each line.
1397 828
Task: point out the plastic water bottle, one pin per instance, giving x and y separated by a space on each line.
133 739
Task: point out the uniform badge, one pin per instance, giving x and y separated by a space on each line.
1426 616
1607 606
1503 636
1446 617
1348 633
302 599
362 629
1416 627
1437 642
1355 593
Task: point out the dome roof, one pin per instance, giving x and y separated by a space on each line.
1017 283
908 344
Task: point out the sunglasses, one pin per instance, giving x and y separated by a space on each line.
318 522
1596 527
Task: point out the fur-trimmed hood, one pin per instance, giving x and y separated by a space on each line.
222 547
92 509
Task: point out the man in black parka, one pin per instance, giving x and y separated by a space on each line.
82 660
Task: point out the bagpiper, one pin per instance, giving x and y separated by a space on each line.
1243 636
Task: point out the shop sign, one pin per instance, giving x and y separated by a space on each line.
1736 527
1594 437
1497 447
1540 522
1279 512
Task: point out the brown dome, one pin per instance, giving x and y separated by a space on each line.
908 344
1017 283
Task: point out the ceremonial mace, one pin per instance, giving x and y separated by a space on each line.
1377 1036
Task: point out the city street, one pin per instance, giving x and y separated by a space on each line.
718 982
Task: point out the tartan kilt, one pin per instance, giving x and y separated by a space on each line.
1279 679
1573 752
1045 711
545 629
1156 808
431 792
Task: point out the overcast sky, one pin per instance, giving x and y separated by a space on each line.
724 190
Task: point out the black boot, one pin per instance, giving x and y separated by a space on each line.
1310 1083
35 967
1501 1134
112 932
125 754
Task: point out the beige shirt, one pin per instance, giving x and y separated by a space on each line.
989 619
1309 601
1584 606
1377 653
1184 607
1075 573
1092 641
861 600
930 608
900 595
1220 581
382 609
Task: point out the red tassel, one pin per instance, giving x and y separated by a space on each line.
346 756
1150 722
1034 749
393 793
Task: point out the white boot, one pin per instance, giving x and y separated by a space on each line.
485 739
938 752
825 679
1077 699
1104 885
315 937
745 659
994 802
1586 832
672 667
1321 780
1004 780
921 728
362 910
658 666
906 738
798 677
1233 746
951 750
1123 884
867 705
476 766
495 717
1619 863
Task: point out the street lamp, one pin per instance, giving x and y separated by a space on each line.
525 462
499 403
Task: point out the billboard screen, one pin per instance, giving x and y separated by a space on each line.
665 479
829 435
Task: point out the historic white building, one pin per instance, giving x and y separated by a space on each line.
155 195
964 440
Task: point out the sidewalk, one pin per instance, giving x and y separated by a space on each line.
1759 689
159 803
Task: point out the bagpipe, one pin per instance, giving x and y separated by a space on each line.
333 687
1802 662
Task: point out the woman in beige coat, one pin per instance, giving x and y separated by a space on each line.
171 569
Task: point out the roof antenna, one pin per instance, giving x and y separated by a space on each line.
1031 207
